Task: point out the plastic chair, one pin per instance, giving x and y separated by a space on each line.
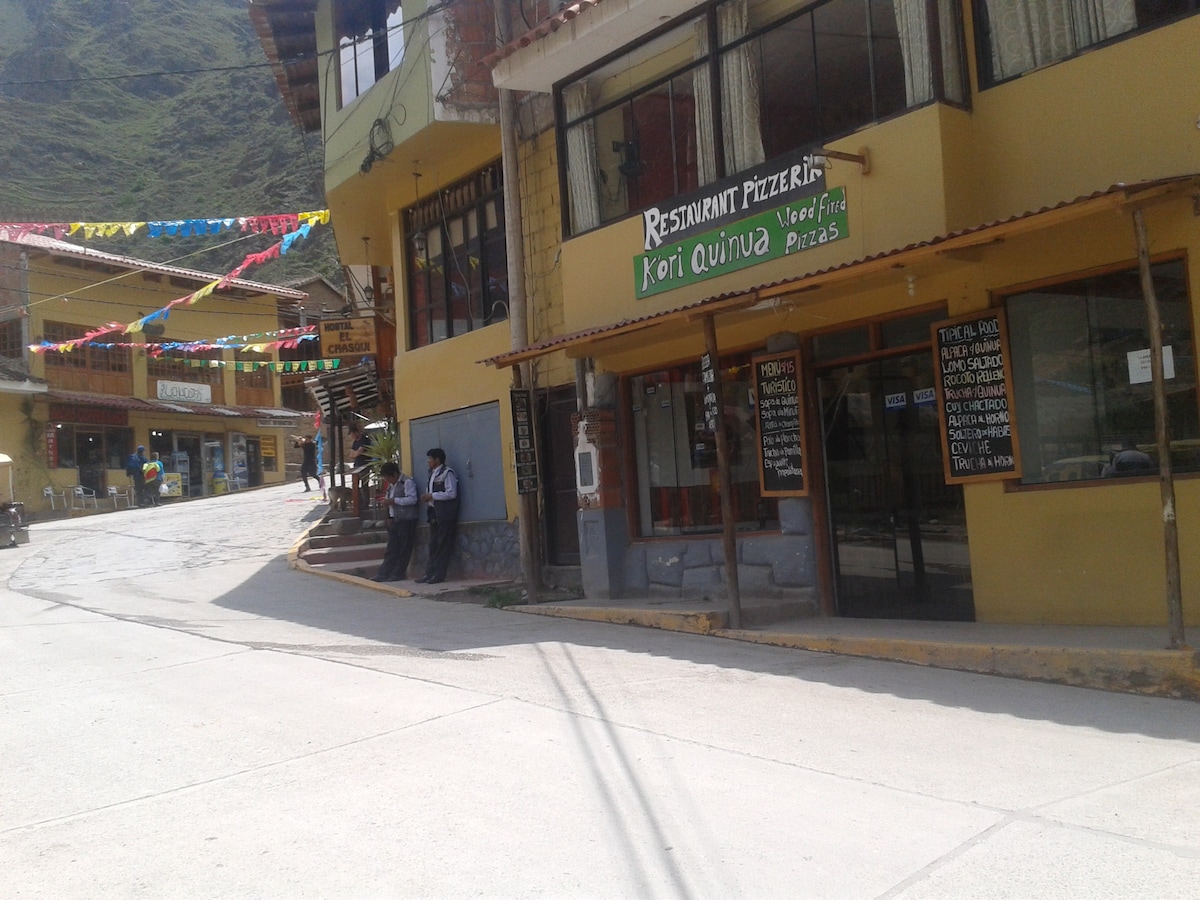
53 495
83 495
117 494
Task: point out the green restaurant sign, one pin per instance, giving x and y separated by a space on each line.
794 227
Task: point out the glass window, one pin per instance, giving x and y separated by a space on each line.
1015 36
457 270
370 43
93 356
677 479
1081 385
909 330
11 346
841 344
641 128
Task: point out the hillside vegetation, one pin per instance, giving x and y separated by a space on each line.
82 140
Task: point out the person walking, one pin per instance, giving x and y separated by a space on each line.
152 479
133 468
308 461
402 523
442 501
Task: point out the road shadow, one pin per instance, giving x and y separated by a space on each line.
472 631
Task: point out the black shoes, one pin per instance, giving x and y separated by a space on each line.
421 580
432 580
381 578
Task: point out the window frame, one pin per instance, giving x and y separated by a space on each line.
999 299
357 24
435 221
712 60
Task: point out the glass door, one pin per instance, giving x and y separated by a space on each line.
898 531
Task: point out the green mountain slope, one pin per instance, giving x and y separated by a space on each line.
81 139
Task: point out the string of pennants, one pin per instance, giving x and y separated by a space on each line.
277 224
288 338
276 250
298 365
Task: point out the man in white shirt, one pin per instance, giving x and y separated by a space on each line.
402 523
442 501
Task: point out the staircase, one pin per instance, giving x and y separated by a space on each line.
345 543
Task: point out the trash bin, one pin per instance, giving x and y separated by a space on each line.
220 484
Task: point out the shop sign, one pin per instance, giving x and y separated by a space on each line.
764 187
783 231
184 392
780 427
347 337
974 386
174 484
712 408
277 423
526 455
266 445
52 445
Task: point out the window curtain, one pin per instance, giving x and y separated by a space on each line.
740 119
912 26
706 145
581 159
1026 34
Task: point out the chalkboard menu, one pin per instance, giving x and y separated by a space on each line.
780 427
974 388
526 456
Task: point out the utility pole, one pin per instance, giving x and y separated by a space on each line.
518 312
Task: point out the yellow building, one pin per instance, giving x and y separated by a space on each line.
72 419
912 228
415 189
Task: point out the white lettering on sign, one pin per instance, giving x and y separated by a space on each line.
895 401
184 392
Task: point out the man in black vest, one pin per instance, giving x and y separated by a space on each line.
442 501
402 523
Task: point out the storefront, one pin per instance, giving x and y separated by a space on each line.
212 449
973 435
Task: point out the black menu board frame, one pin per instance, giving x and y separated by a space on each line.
965 351
778 376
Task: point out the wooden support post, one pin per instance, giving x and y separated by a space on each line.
1162 434
727 519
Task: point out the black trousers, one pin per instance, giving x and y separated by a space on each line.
401 536
441 546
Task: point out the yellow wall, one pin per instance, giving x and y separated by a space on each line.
1118 114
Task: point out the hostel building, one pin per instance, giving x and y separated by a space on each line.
907 236
69 419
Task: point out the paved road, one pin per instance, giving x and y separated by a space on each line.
181 715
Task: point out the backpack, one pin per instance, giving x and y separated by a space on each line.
133 465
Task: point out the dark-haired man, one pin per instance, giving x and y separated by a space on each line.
441 498
402 523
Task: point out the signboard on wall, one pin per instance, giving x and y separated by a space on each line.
974 394
526 455
347 337
783 231
184 391
780 425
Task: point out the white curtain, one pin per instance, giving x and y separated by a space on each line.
706 132
1030 33
912 26
581 159
914 49
741 126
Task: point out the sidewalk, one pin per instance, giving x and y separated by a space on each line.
1121 659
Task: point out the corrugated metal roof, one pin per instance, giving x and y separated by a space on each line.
65 248
137 404
945 241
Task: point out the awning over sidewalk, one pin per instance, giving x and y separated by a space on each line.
136 404
1113 198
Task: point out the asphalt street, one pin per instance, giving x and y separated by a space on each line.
182 715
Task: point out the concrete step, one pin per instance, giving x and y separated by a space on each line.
361 553
340 525
322 542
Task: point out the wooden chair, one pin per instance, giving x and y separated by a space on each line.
53 496
82 495
116 494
